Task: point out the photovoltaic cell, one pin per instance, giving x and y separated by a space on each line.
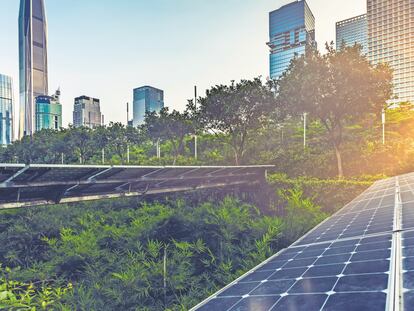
35 184
326 273
343 264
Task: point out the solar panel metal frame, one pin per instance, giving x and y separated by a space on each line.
40 184
395 298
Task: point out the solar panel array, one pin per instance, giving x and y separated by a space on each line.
361 258
26 185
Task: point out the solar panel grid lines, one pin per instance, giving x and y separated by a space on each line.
331 281
323 223
407 241
311 276
394 281
350 225
36 184
408 202
408 269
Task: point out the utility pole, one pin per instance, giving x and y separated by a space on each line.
127 120
195 135
383 126
127 124
103 155
158 149
304 129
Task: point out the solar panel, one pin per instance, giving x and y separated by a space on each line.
28 185
361 258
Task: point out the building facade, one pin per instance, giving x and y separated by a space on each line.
48 112
353 31
87 112
32 61
6 110
391 40
291 32
146 99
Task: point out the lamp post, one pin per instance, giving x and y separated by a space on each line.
127 124
383 126
195 135
304 129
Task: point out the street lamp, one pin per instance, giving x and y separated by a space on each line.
383 126
305 114
195 135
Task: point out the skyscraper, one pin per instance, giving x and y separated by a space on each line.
351 31
32 60
146 99
391 40
87 112
48 112
6 110
291 31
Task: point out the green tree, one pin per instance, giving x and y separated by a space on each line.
81 141
236 110
336 89
169 126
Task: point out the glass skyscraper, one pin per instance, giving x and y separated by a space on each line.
6 110
146 99
351 31
32 60
391 40
291 32
87 112
48 112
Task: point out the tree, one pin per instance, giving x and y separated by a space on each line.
119 138
335 88
169 126
236 110
80 140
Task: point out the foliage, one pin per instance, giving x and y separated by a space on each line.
236 110
114 255
301 214
169 126
252 122
330 194
15 295
335 88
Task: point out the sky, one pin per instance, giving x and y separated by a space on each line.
106 48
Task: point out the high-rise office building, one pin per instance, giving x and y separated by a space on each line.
32 60
291 32
146 99
353 31
48 112
391 40
6 110
87 112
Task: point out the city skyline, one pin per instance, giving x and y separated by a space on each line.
6 110
87 112
291 33
78 49
33 69
390 40
351 31
48 112
146 99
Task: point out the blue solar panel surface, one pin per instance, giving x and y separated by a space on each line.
361 258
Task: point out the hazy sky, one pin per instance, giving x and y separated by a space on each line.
105 48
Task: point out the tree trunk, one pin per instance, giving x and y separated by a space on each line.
236 158
339 162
